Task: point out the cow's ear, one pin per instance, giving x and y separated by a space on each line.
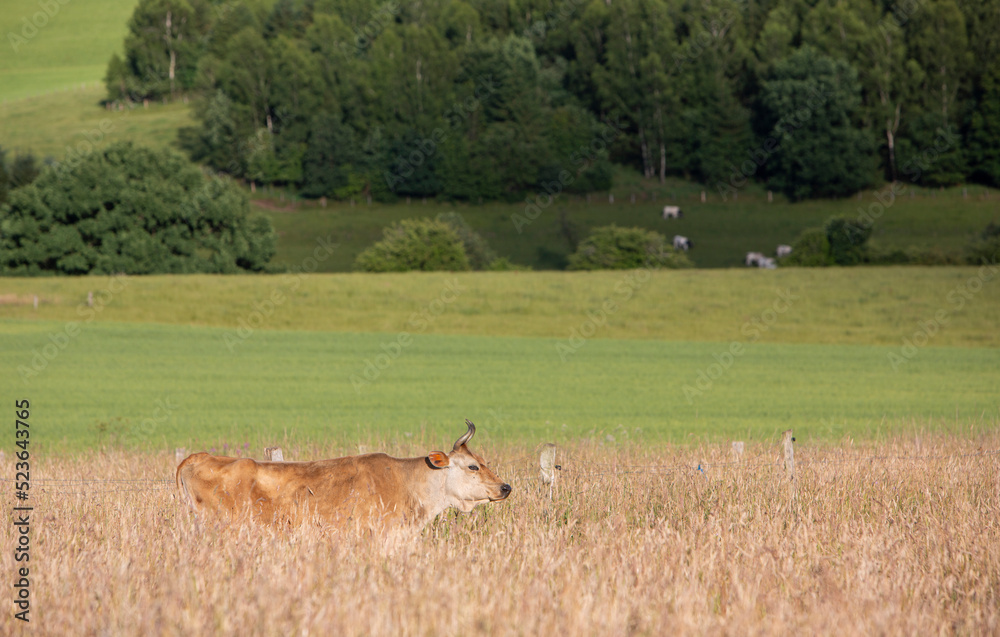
438 459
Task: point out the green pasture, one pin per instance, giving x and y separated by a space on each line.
722 231
205 360
51 125
69 48
861 306
163 386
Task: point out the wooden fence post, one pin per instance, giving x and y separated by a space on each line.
788 439
179 454
738 449
547 462
273 454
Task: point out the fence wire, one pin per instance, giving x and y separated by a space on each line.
526 469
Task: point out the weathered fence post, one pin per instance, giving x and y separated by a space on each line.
273 454
547 462
738 449
788 439
702 196
179 454
90 299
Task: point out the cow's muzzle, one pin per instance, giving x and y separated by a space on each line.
504 491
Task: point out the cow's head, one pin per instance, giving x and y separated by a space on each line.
468 480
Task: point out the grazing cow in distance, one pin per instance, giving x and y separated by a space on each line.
753 259
672 212
374 490
783 251
682 243
767 263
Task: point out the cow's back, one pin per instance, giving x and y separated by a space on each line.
373 488
224 485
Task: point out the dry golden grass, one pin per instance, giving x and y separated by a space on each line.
895 538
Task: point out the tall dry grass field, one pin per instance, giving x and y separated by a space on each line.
894 538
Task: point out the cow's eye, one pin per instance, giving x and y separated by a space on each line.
473 467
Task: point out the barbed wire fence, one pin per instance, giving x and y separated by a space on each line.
546 466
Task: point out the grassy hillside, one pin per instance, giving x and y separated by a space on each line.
166 386
722 231
72 48
861 306
49 124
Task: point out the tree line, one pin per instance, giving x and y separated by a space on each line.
470 99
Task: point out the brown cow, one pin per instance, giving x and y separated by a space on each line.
373 490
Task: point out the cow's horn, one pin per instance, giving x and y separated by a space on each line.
466 436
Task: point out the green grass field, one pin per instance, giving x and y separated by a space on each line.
50 124
722 231
167 352
72 47
169 386
835 306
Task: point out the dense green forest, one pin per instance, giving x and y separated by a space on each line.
495 99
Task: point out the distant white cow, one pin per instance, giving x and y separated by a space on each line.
672 212
784 251
753 259
767 263
682 243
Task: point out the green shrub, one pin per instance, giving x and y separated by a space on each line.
811 249
415 244
847 239
476 249
987 249
614 248
134 210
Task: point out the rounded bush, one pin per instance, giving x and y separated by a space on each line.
126 208
415 244
614 248
811 249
